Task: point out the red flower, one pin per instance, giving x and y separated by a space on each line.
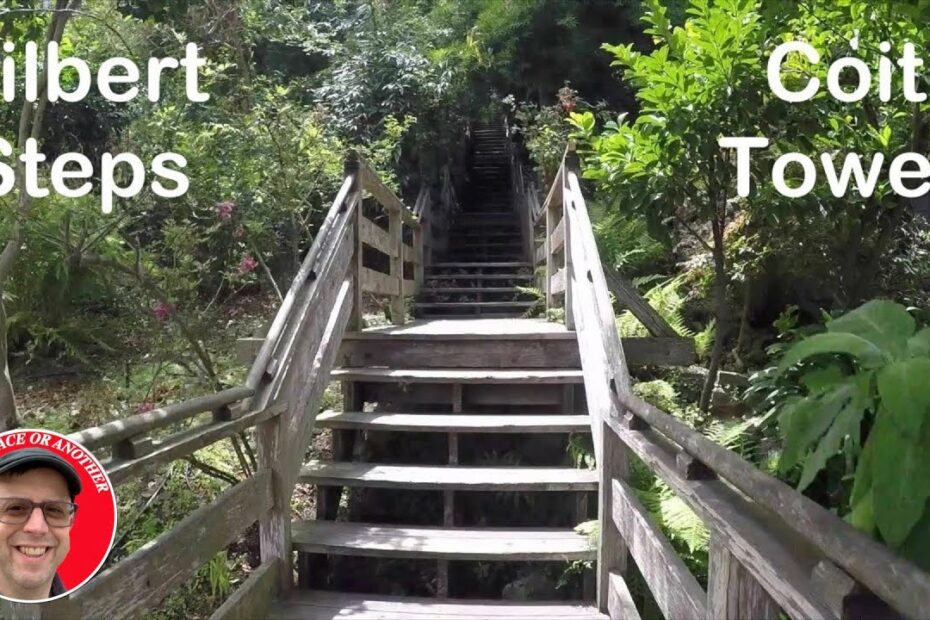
162 311
224 210
247 265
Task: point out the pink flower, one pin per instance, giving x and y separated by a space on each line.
146 407
247 265
224 210
162 311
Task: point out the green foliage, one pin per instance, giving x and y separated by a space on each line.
667 300
868 370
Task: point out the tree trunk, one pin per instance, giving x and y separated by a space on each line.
721 313
7 401
30 126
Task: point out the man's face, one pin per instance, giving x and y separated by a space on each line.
31 552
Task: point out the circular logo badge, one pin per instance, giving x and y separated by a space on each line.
57 515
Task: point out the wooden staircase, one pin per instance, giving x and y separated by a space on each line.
469 383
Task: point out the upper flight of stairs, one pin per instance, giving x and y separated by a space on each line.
484 263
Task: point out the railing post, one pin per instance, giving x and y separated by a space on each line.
612 550
396 232
571 167
418 255
356 319
732 592
551 214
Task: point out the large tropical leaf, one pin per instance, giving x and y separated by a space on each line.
904 388
851 344
885 324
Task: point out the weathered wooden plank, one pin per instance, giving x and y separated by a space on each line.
396 227
187 442
868 561
376 237
312 605
628 297
848 599
460 543
478 329
732 593
612 550
378 282
620 603
557 282
483 394
448 477
674 588
539 256
117 430
458 375
458 423
144 578
439 352
776 560
558 237
254 597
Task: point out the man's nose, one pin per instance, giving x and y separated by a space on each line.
36 522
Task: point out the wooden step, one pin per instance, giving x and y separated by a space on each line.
458 375
483 276
448 477
441 543
316 605
453 423
482 265
475 305
475 290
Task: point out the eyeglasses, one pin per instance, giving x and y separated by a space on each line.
18 510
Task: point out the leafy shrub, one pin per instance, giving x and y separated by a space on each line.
860 392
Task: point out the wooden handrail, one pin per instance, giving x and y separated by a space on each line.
306 271
119 430
769 542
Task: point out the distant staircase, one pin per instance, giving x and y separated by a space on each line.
483 264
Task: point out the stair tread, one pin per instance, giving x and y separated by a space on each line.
317 605
516 264
455 423
478 329
457 375
448 477
474 304
479 276
472 289
453 543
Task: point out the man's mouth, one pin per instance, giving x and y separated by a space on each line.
33 552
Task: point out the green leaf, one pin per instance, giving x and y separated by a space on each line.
803 422
919 343
901 481
917 546
904 388
850 344
885 324
845 424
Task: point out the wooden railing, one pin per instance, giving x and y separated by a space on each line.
771 548
280 400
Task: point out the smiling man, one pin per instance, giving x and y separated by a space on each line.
37 491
